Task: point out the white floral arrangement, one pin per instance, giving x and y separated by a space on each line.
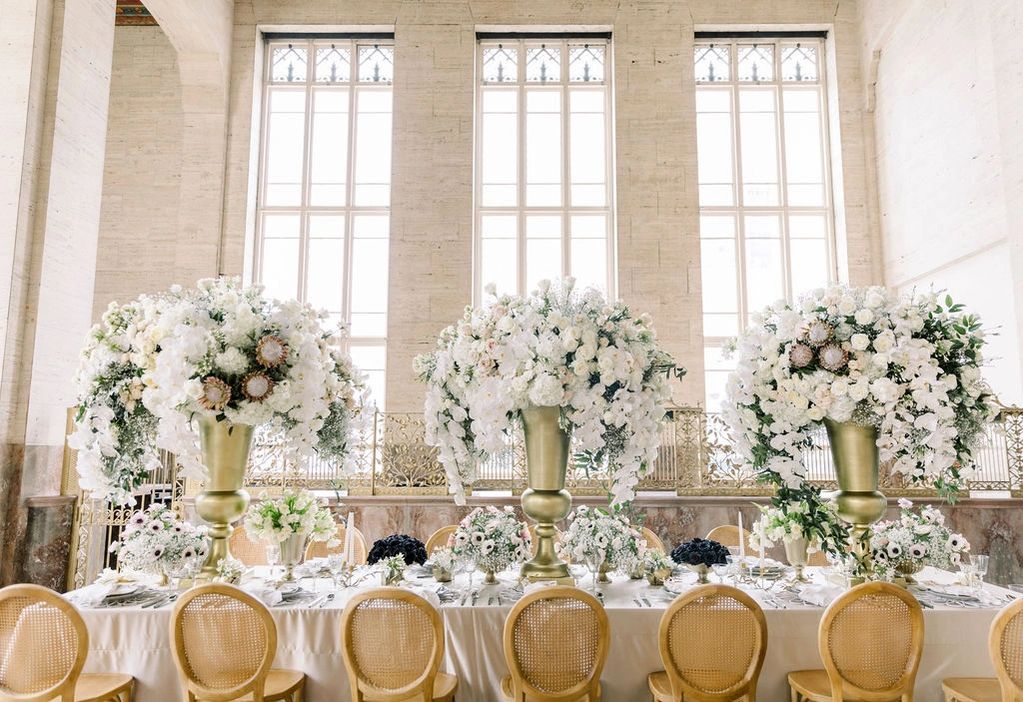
492 538
555 347
155 537
918 539
601 536
392 568
657 562
221 350
230 571
294 513
910 366
444 558
815 521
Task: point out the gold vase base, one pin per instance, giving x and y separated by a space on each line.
538 578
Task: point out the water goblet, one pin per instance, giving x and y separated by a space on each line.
980 564
273 557
721 570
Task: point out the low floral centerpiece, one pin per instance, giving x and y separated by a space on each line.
657 566
603 540
412 549
289 522
443 561
896 377
223 357
915 539
392 569
156 540
699 555
491 538
803 527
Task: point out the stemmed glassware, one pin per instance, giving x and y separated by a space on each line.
273 557
980 564
722 569
593 562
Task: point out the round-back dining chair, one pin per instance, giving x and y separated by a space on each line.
320 549
1005 646
730 535
243 548
43 647
440 538
713 639
392 641
653 541
555 642
870 639
224 642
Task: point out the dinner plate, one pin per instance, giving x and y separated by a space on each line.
124 592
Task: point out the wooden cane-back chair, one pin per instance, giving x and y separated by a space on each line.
224 642
1005 645
392 641
440 538
730 535
320 549
243 548
712 640
555 642
870 639
653 541
43 647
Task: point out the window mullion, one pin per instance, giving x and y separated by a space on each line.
520 178
566 171
307 143
348 247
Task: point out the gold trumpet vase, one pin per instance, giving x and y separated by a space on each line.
225 453
797 554
545 500
855 455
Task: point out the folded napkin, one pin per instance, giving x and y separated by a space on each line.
430 596
267 595
108 582
537 585
820 595
89 596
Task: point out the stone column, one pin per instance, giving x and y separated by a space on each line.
61 59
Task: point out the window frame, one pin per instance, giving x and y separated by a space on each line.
304 210
565 210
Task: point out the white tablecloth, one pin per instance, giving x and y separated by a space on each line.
136 641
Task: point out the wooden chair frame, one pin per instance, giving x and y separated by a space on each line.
680 689
1011 690
841 688
522 689
255 684
65 688
439 538
320 549
421 687
653 541
730 535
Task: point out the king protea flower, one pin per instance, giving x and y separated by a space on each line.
271 351
800 355
833 357
818 332
215 393
257 386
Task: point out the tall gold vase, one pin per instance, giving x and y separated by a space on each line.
546 501
225 453
855 455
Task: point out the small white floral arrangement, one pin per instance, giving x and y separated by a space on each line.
293 513
222 350
492 538
392 568
909 366
918 539
601 536
556 347
230 571
444 558
155 537
815 521
658 563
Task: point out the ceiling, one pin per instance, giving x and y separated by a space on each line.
132 13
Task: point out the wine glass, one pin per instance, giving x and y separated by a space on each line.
980 564
722 569
273 557
593 562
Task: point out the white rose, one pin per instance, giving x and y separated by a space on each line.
859 342
864 316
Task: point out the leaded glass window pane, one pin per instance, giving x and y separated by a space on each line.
333 64
711 62
756 63
288 64
500 64
586 63
543 64
376 64
799 63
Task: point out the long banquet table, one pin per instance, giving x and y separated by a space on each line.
135 640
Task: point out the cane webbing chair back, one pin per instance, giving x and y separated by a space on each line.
243 548
713 640
224 642
321 549
871 640
555 642
730 535
440 538
1005 644
43 645
392 641
653 541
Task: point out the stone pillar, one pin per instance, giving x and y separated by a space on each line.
56 225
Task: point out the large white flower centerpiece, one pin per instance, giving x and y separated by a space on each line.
293 513
814 521
556 347
221 350
155 537
599 536
916 539
910 366
491 538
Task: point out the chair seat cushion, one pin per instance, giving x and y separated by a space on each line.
660 686
506 692
97 687
973 689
